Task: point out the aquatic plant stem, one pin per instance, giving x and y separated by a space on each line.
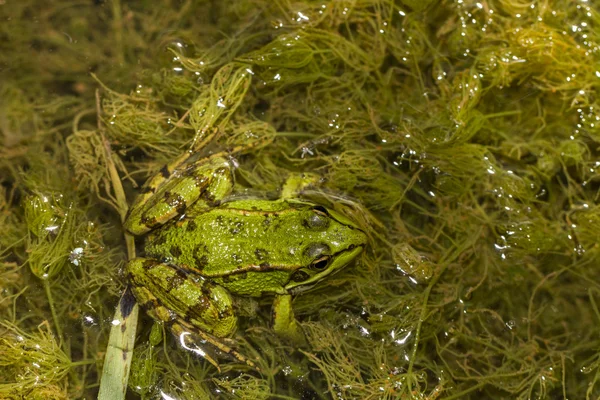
422 319
460 395
118 30
119 352
53 312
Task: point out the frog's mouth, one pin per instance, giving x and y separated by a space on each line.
305 278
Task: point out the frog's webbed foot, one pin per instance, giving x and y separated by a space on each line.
284 321
170 193
297 182
189 339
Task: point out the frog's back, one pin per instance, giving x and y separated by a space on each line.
239 236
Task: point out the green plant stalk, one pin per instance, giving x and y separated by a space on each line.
119 352
57 326
118 30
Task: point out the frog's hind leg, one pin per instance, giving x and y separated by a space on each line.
194 308
158 312
170 193
188 339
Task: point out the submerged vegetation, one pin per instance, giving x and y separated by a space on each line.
462 134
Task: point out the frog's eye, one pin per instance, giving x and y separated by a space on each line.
321 263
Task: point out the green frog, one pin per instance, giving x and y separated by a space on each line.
206 248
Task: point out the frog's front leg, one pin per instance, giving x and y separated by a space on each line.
171 192
297 182
284 321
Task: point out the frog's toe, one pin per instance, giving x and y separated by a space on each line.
190 339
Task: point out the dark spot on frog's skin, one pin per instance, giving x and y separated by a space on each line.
226 313
191 226
201 262
190 170
223 171
317 250
254 208
175 251
149 264
219 220
237 228
261 254
237 259
176 280
174 200
201 249
210 199
164 171
159 241
150 222
265 267
299 276
207 288
199 181
213 203
151 304
202 304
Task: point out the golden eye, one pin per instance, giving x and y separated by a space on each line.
321 263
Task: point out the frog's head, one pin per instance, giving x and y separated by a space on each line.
330 241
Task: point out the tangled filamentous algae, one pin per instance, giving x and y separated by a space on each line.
461 135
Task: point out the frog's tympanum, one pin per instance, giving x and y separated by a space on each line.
204 250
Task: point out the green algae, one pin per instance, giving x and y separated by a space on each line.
462 135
